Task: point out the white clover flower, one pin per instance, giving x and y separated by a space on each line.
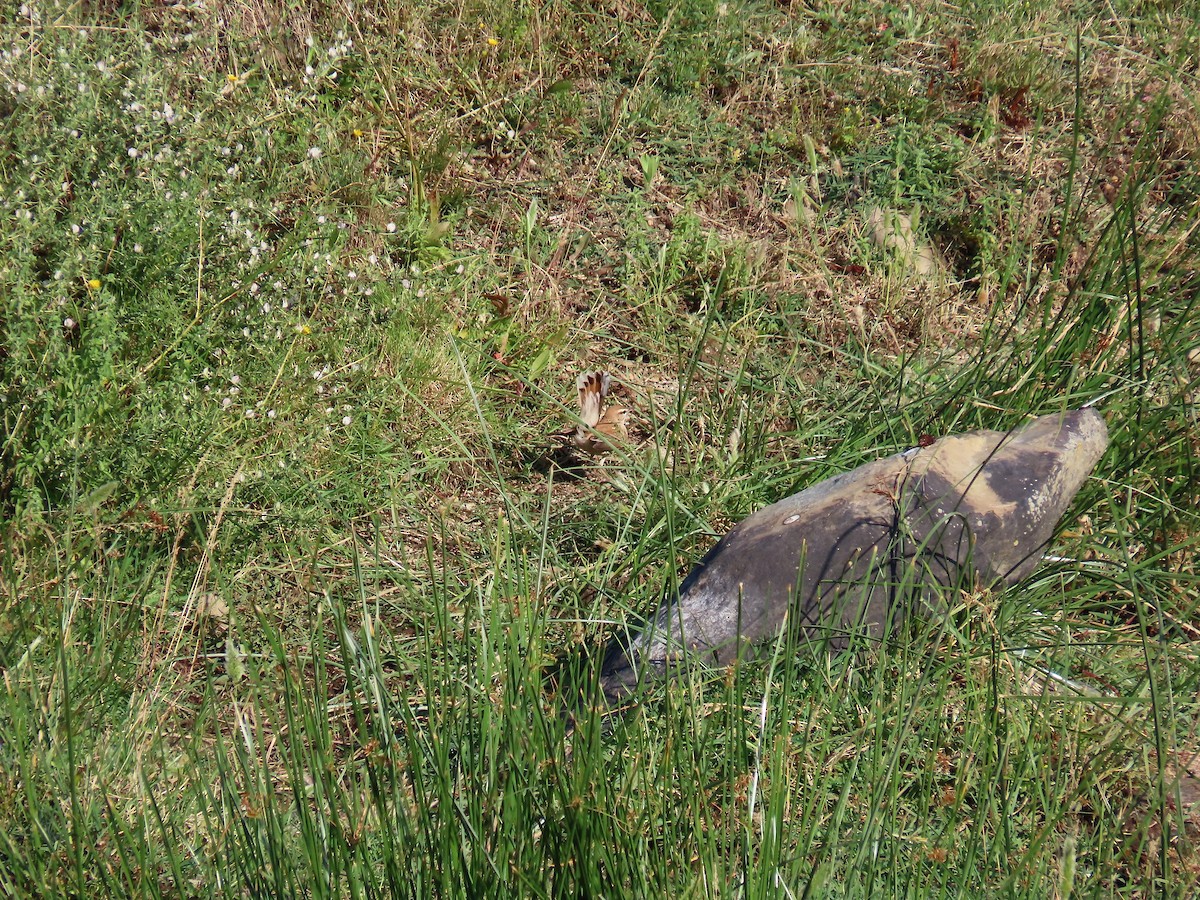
391 227
314 152
346 420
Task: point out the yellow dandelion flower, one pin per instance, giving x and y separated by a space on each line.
304 329
357 132
231 78
93 284
492 42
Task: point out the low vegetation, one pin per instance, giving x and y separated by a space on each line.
295 578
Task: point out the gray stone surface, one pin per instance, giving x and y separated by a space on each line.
849 555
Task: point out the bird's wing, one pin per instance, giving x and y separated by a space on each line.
593 388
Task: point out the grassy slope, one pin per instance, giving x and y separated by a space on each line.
285 551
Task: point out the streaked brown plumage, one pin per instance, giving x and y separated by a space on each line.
600 429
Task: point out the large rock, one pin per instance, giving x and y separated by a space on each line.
848 555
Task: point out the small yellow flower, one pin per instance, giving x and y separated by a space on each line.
492 42
232 83
357 132
304 329
93 284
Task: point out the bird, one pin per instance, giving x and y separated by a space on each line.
600 429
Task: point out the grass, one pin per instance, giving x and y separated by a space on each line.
294 590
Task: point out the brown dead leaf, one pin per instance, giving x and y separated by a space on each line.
212 612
